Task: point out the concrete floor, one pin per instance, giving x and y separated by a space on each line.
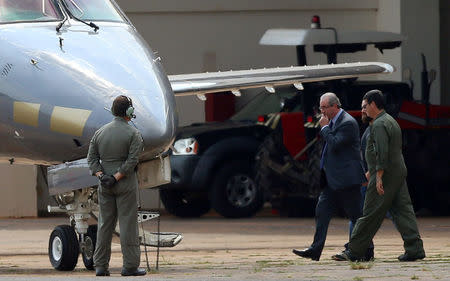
215 248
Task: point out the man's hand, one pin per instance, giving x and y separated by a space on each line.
107 181
323 121
380 188
379 181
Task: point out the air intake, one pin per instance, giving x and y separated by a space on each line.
6 69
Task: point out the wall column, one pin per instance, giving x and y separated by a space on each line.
18 190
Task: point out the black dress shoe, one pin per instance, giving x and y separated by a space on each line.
133 272
307 253
345 256
409 257
101 272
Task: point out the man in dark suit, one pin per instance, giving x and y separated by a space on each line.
341 168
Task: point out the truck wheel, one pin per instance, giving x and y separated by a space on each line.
234 193
90 240
185 204
63 248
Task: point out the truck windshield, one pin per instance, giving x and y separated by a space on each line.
29 11
94 10
263 104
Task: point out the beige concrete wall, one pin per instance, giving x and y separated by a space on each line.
204 35
18 191
388 19
420 23
198 35
445 47
423 35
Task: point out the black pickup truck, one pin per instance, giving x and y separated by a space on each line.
212 163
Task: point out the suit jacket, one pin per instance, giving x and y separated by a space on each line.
342 158
364 138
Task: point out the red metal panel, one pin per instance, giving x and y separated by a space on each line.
219 106
355 113
294 138
413 115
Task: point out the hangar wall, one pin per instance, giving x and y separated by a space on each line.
18 191
200 35
444 7
422 36
197 35
388 20
203 35
423 31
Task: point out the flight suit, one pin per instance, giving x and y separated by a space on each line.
384 152
115 147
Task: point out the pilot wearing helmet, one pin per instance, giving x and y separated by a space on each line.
113 155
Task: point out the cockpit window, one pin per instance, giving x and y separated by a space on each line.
94 10
29 10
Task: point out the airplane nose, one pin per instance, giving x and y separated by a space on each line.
155 119
147 85
80 82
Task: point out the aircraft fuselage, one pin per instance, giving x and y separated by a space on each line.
56 89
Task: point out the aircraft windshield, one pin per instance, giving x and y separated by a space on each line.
94 10
29 10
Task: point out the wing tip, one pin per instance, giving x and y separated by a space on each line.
388 68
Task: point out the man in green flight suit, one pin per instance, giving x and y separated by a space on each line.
387 189
113 155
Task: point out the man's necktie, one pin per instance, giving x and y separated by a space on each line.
324 150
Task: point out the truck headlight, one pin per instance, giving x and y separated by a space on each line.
187 146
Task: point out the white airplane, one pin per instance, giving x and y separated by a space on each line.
62 62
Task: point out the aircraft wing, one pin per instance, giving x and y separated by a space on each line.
210 82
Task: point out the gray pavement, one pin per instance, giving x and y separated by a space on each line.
215 248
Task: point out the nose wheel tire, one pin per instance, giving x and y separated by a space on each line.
63 248
90 241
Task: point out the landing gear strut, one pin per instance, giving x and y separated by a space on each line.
65 245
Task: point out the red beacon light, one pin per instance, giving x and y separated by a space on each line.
315 22
261 118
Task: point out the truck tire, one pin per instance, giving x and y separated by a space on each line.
234 193
185 204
